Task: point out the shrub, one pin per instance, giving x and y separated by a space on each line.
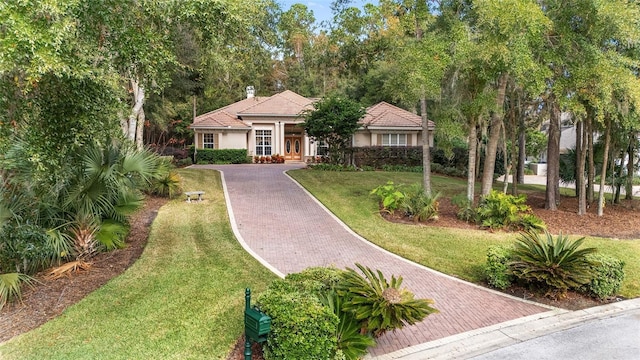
166 182
496 269
498 210
317 280
301 327
608 274
389 196
466 211
219 156
380 304
184 162
24 249
418 205
332 167
553 264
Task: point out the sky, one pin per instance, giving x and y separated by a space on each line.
321 8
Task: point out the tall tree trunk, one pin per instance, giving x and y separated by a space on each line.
581 157
630 168
522 151
591 174
494 137
471 174
553 156
138 102
578 180
426 151
140 129
605 160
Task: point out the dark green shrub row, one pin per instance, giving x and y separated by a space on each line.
378 156
554 265
332 167
218 156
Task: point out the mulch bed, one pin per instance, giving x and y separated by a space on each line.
49 298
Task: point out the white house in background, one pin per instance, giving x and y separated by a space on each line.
271 125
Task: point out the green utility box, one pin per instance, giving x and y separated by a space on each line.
256 325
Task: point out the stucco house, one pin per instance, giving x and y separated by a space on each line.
271 125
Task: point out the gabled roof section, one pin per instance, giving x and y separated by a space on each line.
226 117
386 115
286 103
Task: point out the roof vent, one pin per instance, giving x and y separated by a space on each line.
251 92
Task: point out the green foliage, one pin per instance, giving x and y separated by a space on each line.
498 211
419 206
380 304
219 156
389 196
553 264
166 181
334 120
10 286
317 280
536 143
111 234
496 268
608 275
301 327
24 249
380 157
466 211
332 167
352 344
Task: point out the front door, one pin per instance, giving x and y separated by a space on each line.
293 148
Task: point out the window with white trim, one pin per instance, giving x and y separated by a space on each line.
263 142
209 141
394 139
322 148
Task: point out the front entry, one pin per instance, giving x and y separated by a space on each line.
293 148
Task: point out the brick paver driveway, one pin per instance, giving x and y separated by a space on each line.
287 228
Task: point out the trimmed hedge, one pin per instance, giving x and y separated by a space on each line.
218 156
496 269
378 156
301 326
608 275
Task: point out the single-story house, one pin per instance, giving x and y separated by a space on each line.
271 125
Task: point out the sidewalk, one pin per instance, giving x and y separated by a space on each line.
288 230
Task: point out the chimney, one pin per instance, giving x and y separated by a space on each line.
251 92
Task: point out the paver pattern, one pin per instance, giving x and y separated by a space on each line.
285 226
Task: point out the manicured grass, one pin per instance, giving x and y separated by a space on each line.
460 253
183 299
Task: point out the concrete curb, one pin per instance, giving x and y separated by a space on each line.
481 341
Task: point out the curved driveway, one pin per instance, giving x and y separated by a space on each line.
288 229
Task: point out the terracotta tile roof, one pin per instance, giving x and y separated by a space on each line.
386 115
286 103
226 116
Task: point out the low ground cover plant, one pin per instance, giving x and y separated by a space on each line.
410 200
503 211
553 266
327 313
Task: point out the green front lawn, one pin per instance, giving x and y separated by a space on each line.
460 253
183 299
